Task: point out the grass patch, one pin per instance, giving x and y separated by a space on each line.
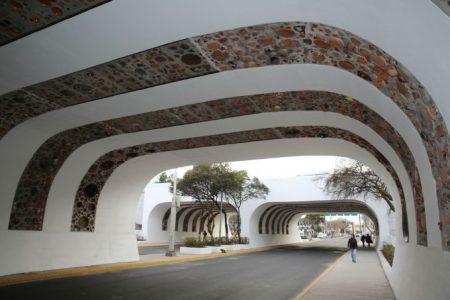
388 252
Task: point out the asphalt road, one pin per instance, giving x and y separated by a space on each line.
277 274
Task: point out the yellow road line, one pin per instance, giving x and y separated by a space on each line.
318 278
21 278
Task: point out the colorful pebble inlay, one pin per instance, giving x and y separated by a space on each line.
19 18
261 45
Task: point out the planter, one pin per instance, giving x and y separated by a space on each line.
193 250
231 247
215 249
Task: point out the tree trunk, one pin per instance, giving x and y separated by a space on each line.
200 230
226 224
238 230
211 226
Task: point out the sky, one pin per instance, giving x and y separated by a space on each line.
282 167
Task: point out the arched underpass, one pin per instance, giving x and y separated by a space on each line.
98 97
276 218
268 221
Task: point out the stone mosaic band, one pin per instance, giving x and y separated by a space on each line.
19 18
275 218
34 186
253 46
86 198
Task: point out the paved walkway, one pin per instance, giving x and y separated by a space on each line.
364 279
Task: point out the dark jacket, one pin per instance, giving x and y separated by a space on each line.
352 243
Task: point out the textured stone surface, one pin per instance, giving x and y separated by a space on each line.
172 62
40 172
83 218
19 18
36 180
261 45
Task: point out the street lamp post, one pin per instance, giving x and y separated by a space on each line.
360 226
173 213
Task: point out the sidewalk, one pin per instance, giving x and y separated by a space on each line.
364 279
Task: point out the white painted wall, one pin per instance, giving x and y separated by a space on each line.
285 190
415 32
119 199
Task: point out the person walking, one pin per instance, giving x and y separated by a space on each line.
353 245
363 240
368 240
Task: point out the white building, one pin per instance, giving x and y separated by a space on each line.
266 222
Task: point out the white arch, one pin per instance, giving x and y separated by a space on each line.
75 167
253 212
393 26
249 81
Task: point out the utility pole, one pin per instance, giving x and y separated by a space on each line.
360 226
173 213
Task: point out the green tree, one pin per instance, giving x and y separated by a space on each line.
356 179
315 220
200 184
243 190
163 178
213 185
338 225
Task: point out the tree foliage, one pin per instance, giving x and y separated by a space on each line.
243 190
202 183
338 225
209 185
357 179
163 178
313 221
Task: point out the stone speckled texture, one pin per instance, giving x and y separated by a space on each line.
260 45
33 188
19 18
83 218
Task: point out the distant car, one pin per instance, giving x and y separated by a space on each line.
321 235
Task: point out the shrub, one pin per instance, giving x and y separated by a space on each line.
244 240
212 241
388 252
194 242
